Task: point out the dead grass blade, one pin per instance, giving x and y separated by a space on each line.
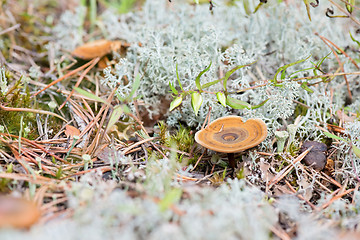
94 62
31 178
126 150
300 196
338 60
197 162
345 12
40 195
37 111
35 145
336 197
65 76
286 170
280 233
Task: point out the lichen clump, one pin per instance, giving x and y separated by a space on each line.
190 38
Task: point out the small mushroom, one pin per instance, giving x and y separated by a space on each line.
316 158
17 212
230 134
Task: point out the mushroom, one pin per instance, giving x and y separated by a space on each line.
17 212
230 134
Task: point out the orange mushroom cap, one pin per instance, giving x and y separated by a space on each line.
230 134
17 212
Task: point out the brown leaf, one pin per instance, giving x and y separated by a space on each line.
266 175
329 167
305 187
107 154
71 131
98 48
103 63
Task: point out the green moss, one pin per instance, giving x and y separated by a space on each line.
4 182
163 132
300 110
240 174
293 149
182 138
17 96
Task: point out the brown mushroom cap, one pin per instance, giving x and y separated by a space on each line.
230 134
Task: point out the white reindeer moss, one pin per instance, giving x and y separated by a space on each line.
190 37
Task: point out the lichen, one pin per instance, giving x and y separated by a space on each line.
191 38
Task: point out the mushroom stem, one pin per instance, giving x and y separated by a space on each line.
231 157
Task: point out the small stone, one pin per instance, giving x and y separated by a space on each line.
317 146
316 158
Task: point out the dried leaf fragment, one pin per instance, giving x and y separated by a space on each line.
329 167
71 131
344 117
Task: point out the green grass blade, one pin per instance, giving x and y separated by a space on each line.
206 85
178 78
330 135
173 89
115 115
354 40
283 69
135 86
237 104
90 95
260 105
305 86
229 73
197 80
171 197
